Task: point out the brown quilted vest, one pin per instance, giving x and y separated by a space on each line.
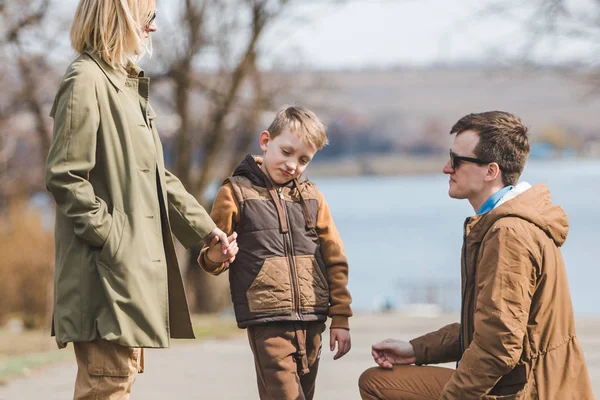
278 274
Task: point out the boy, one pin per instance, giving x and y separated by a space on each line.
291 270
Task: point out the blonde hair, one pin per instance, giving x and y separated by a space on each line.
113 29
301 121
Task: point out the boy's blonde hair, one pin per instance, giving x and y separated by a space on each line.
301 121
113 29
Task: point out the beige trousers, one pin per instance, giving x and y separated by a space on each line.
403 382
106 371
286 358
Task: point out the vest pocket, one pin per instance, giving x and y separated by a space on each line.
313 286
271 290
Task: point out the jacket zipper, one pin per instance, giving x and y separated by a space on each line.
287 239
464 293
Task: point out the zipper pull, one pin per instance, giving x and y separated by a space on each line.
279 193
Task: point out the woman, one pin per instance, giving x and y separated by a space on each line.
117 283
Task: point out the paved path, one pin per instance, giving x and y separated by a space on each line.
223 369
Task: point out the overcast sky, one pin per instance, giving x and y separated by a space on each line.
392 32
366 33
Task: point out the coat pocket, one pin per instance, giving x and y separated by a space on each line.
113 241
314 289
271 289
517 382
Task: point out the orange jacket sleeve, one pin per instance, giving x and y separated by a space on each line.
226 215
332 253
438 347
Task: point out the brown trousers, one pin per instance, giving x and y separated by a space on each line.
106 371
286 358
403 382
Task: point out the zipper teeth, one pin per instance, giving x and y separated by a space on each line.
288 240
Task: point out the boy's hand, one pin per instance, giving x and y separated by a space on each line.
391 351
342 337
221 237
215 253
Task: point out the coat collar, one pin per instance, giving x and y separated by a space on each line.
119 76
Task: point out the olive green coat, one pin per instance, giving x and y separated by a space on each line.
116 274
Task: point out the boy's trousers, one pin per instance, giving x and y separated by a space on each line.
286 358
403 382
106 370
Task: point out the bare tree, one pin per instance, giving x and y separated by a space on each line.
548 25
28 85
32 67
29 47
209 104
218 110
215 111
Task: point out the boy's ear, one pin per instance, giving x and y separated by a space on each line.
265 136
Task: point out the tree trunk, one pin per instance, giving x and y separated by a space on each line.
183 162
206 293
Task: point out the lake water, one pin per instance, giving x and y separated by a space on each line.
403 235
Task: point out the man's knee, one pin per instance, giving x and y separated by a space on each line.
368 379
403 382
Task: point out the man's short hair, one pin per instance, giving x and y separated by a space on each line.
300 121
502 139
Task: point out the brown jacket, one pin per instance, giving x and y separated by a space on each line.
517 333
291 264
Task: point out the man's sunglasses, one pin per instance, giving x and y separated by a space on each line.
455 160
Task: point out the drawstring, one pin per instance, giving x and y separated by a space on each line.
301 353
282 221
307 218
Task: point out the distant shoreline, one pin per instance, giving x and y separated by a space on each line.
378 165
395 164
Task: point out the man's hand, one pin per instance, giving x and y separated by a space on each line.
390 352
342 337
215 252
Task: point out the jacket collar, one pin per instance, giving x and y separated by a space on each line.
119 76
250 168
530 203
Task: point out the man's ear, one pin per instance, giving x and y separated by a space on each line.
264 139
493 171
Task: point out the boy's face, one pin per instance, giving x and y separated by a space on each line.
286 156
